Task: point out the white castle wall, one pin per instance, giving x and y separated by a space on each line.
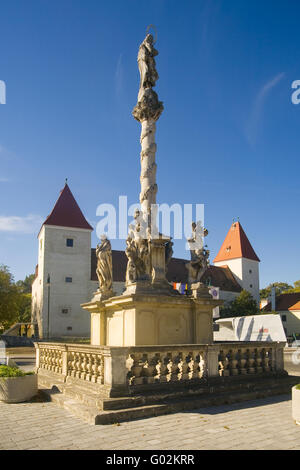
60 262
246 272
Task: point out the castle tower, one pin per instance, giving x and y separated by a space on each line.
237 253
64 271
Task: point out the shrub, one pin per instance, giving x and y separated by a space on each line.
6 371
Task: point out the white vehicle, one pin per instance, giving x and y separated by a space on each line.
250 328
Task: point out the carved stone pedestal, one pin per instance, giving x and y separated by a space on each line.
149 318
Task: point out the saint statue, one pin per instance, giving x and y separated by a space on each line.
137 250
104 265
199 254
146 64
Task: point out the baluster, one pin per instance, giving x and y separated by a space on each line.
158 367
197 364
48 359
234 361
137 369
100 378
77 365
191 364
185 366
150 369
166 368
224 364
258 361
83 366
251 361
52 364
243 361
70 366
270 356
94 368
60 362
179 370
89 367
175 367
203 365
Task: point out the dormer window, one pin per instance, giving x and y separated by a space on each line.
228 248
70 242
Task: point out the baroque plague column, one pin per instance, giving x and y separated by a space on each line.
148 251
149 312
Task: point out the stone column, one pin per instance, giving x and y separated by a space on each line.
148 167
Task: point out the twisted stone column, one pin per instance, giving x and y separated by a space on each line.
148 167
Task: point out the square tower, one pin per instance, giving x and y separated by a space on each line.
63 275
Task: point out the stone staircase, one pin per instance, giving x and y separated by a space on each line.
92 408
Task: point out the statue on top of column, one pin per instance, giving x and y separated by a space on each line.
148 105
146 64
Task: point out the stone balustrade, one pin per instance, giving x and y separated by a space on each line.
128 370
246 360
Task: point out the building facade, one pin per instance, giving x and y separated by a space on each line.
66 271
288 307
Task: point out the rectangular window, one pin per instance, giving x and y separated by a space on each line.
70 242
283 317
65 311
69 279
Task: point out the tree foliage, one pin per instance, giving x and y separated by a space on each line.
296 288
25 286
15 299
244 304
280 288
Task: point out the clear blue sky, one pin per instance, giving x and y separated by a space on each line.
229 136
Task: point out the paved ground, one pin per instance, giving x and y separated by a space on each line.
259 424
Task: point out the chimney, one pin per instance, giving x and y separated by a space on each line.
273 299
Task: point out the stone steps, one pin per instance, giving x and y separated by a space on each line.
128 408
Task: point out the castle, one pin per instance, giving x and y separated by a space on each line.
66 271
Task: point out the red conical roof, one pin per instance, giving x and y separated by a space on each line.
66 212
236 245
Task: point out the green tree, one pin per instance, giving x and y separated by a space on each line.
244 304
25 286
15 299
9 298
280 287
297 286
24 308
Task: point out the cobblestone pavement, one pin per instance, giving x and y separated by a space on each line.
259 424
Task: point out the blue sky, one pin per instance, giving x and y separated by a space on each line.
228 137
